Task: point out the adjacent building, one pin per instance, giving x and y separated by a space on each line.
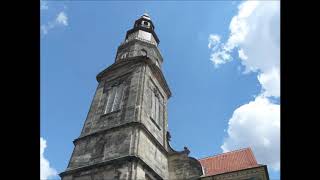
240 164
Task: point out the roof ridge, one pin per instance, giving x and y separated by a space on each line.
220 154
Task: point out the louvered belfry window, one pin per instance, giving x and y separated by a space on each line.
114 98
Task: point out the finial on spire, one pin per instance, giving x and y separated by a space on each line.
146 15
145 12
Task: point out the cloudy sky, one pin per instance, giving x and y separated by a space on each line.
221 61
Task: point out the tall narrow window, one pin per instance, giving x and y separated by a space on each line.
152 113
114 98
118 98
155 108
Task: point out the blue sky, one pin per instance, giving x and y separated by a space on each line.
212 94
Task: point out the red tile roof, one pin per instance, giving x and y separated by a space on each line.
228 162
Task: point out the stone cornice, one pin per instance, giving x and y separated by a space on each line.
135 60
111 161
134 123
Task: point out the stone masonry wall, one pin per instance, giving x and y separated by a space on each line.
155 158
101 147
257 173
108 136
96 119
158 130
117 171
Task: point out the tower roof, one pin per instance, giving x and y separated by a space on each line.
228 162
146 16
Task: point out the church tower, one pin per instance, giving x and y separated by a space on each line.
125 134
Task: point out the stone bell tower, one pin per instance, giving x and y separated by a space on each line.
125 134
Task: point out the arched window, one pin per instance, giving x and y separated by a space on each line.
143 52
145 23
124 55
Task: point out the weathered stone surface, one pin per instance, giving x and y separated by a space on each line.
117 170
101 147
135 48
150 153
181 166
106 137
125 133
256 173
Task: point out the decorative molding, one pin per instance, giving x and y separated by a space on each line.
133 41
136 60
129 158
128 124
154 122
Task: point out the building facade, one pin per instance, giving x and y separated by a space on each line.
125 134
235 165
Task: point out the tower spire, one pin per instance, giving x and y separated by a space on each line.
141 40
146 15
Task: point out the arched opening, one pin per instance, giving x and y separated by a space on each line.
143 52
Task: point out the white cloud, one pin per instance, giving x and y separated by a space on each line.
255 34
43 5
47 27
220 57
60 20
256 125
242 55
45 170
239 26
44 29
270 82
239 30
214 41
